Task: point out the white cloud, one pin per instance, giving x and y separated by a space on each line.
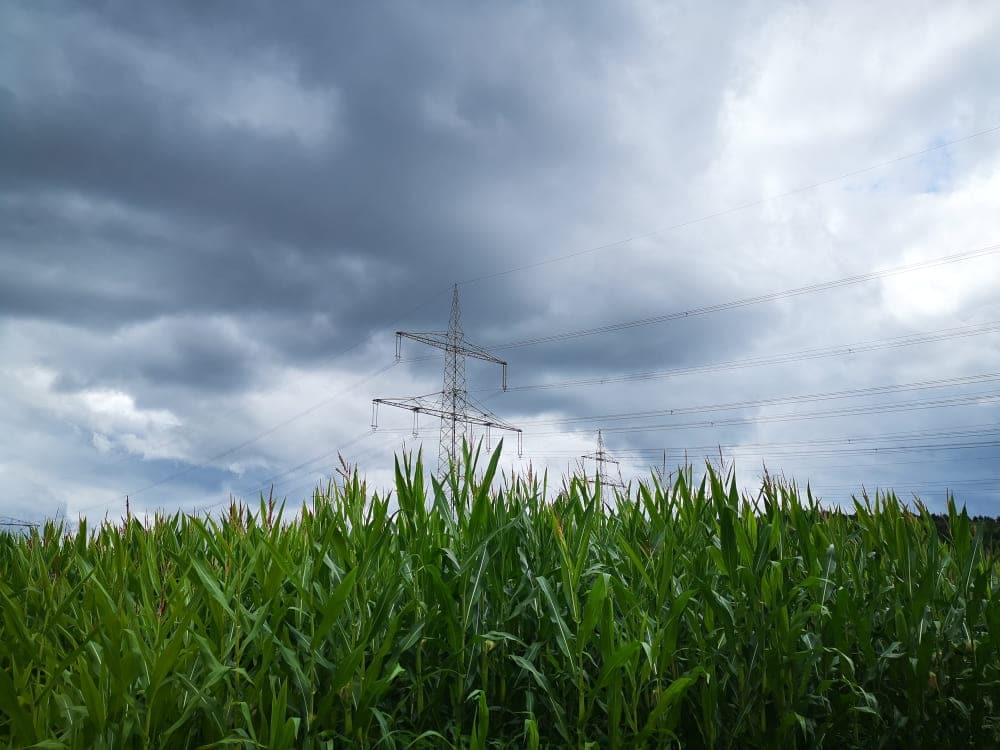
113 407
964 219
271 103
101 443
541 135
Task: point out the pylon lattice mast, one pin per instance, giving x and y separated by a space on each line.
602 459
456 410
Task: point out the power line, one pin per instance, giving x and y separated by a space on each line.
731 209
255 439
779 400
323 361
772 458
816 353
755 300
274 428
976 398
654 459
849 440
11 522
314 481
964 431
714 446
739 452
884 453
269 431
986 484
743 451
878 450
982 251
267 485
264 484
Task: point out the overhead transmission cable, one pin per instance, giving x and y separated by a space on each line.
881 446
742 302
255 439
806 354
547 261
776 401
927 434
772 461
822 286
732 209
987 484
295 473
653 457
264 484
879 450
268 486
788 447
833 445
966 400
754 300
10 521
286 491
323 361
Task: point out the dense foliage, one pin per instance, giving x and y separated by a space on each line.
465 616
986 527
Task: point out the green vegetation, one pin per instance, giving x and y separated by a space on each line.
682 615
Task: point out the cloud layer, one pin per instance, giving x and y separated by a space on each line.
213 219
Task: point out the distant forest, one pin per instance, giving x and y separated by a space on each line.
989 526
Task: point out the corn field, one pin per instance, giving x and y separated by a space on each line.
479 614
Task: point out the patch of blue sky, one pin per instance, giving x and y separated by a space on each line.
932 172
185 486
872 185
937 166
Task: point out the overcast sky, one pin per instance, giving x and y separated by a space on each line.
213 217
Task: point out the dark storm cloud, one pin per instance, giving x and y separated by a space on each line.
259 220
201 205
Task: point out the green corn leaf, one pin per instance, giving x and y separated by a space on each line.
333 607
592 609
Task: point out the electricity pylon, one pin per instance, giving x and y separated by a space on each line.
452 404
601 458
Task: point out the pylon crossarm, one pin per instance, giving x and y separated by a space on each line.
482 421
601 459
423 403
434 338
437 339
452 404
478 352
475 409
441 340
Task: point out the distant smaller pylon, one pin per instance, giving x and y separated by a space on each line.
602 459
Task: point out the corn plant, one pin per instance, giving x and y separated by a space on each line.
477 612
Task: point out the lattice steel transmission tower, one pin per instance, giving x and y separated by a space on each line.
601 459
453 405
